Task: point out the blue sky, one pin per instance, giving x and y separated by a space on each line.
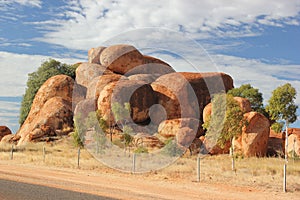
253 41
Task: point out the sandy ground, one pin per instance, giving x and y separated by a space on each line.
129 186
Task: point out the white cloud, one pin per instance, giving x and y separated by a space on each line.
15 68
33 3
86 23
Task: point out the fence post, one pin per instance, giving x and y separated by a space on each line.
284 177
133 162
44 153
198 169
78 158
12 152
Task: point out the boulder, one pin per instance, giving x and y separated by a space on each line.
176 96
294 131
94 55
275 144
255 135
148 141
121 58
151 65
4 130
7 139
86 72
147 78
52 106
184 129
139 95
207 84
55 114
207 112
215 149
244 104
294 143
189 91
60 85
98 83
84 107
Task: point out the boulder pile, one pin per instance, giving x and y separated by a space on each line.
163 104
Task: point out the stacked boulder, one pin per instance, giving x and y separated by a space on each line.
51 111
164 104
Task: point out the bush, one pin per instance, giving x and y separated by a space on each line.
141 150
172 149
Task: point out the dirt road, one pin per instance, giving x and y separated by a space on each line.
128 186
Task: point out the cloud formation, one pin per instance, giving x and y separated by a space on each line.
85 23
33 3
15 68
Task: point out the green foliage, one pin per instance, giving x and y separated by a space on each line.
36 80
141 150
277 127
121 113
281 104
79 132
252 94
171 148
226 120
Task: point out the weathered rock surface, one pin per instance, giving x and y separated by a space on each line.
294 142
255 135
52 106
275 144
176 95
244 104
184 129
139 95
86 72
84 107
151 65
98 83
55 115
207 84
207 112
121 58
60 85
182 93
215 149
7 139
94 55
147 140
147 78
4 130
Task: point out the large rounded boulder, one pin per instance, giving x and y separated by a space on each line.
55 117
294 142
4 130
176 96
151 65
94 55
86 72
255 135
139 95
98 83
207 84
121 58
57 86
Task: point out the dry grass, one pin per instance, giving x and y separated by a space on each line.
263 173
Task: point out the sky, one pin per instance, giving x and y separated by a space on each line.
255 42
